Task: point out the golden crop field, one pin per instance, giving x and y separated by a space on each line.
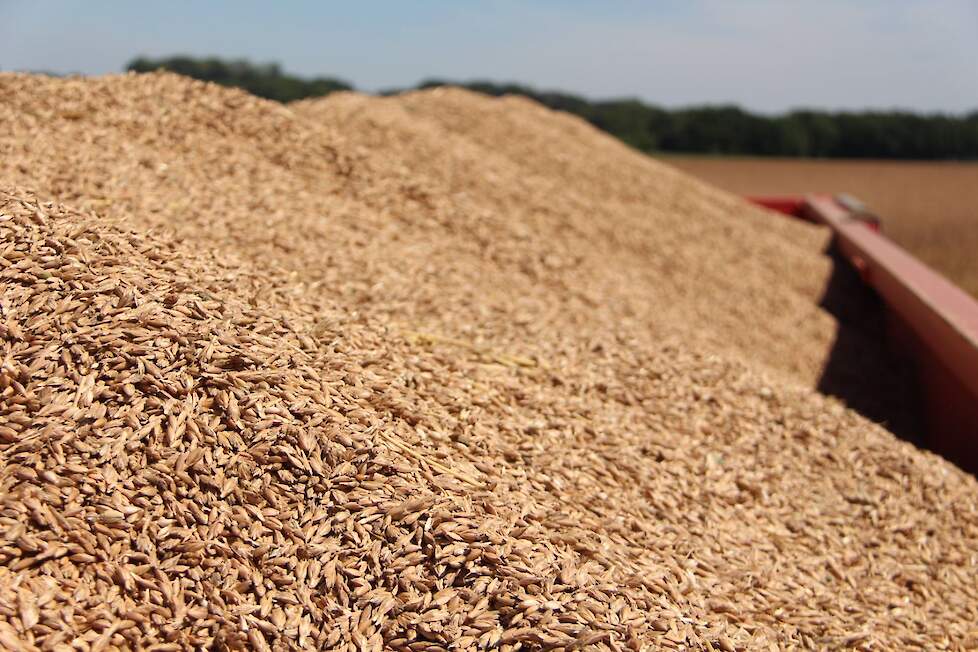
931 209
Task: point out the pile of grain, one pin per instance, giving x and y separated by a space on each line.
535 225
287 422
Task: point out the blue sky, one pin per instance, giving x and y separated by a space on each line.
767 55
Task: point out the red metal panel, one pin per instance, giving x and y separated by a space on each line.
938 322
941 316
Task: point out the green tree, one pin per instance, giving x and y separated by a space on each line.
650 128
264 80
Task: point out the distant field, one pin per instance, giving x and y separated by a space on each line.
931 209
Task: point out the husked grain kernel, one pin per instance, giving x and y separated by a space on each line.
429 372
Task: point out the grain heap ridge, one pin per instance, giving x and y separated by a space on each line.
472 226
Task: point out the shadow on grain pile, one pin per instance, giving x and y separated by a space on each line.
270 384
860 368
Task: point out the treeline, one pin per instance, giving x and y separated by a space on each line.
650 128
731 130
264 80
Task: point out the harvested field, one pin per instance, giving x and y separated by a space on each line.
425 373
928 208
